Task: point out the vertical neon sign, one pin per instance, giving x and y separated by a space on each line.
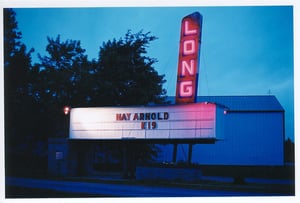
189 52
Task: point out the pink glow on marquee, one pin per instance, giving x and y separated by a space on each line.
187 121
187 77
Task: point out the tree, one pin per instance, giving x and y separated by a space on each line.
12 35
128 73
18 104
289 151
65 69
60 79
17 64
16 60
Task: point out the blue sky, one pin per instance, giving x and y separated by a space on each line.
245 50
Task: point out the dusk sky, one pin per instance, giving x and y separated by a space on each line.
245 50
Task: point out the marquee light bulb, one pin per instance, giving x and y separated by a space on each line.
66 110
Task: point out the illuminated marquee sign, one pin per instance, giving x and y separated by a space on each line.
189 121
187 76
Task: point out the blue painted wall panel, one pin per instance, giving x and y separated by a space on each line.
251 133
250 138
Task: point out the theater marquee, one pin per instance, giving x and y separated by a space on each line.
189 121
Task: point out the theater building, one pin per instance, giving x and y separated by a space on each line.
219 130
249 132
253 133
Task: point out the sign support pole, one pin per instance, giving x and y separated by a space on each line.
174 158
190 153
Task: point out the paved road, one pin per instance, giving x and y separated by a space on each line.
119 190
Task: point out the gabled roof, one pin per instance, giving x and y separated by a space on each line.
242 103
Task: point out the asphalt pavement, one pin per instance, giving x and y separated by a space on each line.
125 188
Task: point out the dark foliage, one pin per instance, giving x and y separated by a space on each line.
128 73
289 151
17 64
36 94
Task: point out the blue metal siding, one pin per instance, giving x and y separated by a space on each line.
251 133
245 103
249 139
242 103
